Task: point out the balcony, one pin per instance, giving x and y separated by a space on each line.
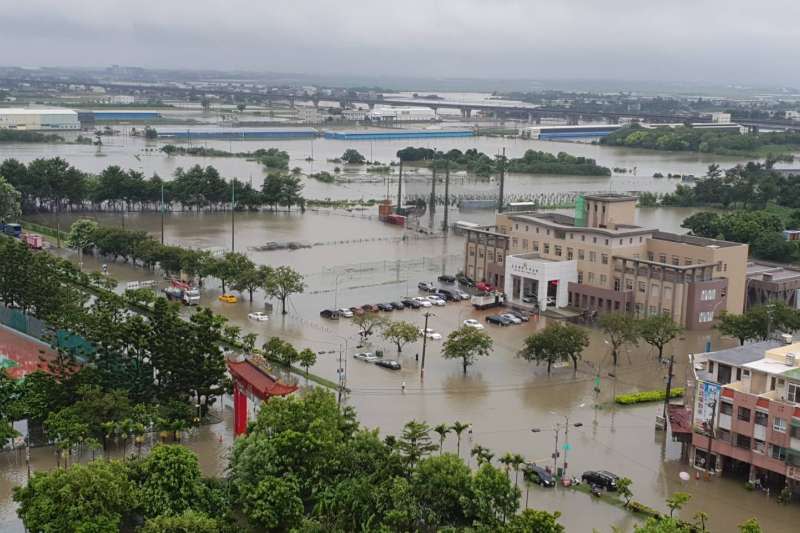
760 432
724 421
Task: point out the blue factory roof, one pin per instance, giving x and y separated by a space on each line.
369 135
212 132
126 115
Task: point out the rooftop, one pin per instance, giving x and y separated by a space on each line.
35 111
610 197
742 355
567 222
533 256
764 272
693 240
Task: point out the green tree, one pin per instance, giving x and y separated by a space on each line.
170 481
662 525
738 326
282 283
442 483
82 235
93 497
415 441
401 333
186 522
467 344
251 279
458 428
620 329
750 526
493 498
368 323
231 267
274 504
10 199
624 489
353 157
556 342
442 430
658 330
532 521
676 501
307 358
701 518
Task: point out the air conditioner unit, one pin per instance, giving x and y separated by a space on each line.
786 338
791 359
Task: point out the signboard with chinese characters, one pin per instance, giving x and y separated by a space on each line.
706 402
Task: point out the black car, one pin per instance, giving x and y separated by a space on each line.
391 364
539 475
408 302
464 280
385 307
331 314
499 320
398 305
446 278
448 295
426 286
601 478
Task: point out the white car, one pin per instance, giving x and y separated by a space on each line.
367 357
472 323
258 315
424 302
435 300
431 334
345 312
512 318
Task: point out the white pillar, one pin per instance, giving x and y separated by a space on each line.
541 293
562 296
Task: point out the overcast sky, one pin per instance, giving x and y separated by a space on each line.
699 41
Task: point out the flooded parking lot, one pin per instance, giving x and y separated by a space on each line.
502 396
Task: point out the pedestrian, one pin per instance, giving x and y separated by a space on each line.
469 433
416 357
403 387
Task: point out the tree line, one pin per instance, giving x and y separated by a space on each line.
704 140
481 164
51 185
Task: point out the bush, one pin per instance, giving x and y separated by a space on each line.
639 507
647 396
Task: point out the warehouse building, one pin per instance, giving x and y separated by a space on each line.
38 119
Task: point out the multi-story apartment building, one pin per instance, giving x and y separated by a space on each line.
618 266
746 414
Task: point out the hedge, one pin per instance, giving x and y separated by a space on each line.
647 396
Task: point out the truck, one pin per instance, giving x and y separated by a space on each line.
34 241
185 296
11 229
487 300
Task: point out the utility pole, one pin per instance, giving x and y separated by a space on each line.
669 387
233 215
341 378
446 194
400 187
162 212
424 344
502 181
555 451
433 194
566 445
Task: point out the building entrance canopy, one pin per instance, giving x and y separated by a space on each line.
531 279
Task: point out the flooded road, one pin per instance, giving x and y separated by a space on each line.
502 396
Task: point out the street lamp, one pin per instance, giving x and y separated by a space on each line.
428 314
556 430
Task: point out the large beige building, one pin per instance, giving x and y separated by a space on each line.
38 119
619 266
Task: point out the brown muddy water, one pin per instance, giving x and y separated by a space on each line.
502 396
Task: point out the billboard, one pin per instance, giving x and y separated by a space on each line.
706 402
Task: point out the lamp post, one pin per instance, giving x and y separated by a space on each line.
428 314
556 430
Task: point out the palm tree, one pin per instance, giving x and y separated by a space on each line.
506 461
442 430
527 477
517 461
486 456
477 452
458 428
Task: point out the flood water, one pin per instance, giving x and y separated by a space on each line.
358 260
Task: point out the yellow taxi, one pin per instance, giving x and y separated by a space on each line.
228 298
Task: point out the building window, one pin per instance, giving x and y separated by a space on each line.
759 446
499 257
594 240
535 246
719 266
583 237
705 317
514 242
548 232
761 418
724 435
526 227
662 258
516 226
688 261
654 289
649 256
676 260
557 250
777 452
642 286
708 294
620 241
546 248
580 276
779 424
591 277
604 258
652 309
606 242
524 244
581 255
472 252
603 280
742 441
793 393
569 254
592 257
743 414
617 284
628 285
725 408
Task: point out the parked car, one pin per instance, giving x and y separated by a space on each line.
345 312
398 305
522 315
512 318
391 364
423 302
260 316
371 308
426 286
357 310
540 475
472 323
465 280
484 287
228 298
601 478
498 319
462 295
331 314
446 278
431 334
410 302
367 357
550 301
385 307
529 299
436 300
447 295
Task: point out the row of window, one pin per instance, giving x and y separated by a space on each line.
748 443
761 418
687 261
560 234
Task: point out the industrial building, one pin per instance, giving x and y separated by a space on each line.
38 119
127 116
607 263
772 283
746 413
401 114
211 132
385 135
